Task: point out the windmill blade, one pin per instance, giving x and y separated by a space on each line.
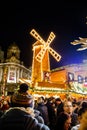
40 55
50 38
54 54
37 36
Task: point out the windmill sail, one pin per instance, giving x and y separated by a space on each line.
54 54
41 53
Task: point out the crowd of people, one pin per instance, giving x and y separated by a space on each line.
22 111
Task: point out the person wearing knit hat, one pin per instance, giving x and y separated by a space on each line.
22 98
21 115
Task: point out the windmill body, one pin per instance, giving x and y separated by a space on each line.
39 67
41 50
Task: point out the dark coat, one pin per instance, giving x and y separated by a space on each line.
18 119
44 112
38 116
74 119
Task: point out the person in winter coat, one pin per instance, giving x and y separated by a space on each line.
81 110
21 115
38 116
42 108
68 108
63 121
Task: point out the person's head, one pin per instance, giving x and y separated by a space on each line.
40 100
68 107
63 121
22 98
83 104
58 101
23 88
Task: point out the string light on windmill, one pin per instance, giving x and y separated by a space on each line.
41 50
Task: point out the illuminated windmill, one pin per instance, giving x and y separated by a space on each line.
82 41
41 50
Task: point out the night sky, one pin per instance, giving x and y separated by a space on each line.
66 20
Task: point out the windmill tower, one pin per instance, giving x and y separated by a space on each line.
41 50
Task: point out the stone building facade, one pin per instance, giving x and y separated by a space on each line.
12 70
